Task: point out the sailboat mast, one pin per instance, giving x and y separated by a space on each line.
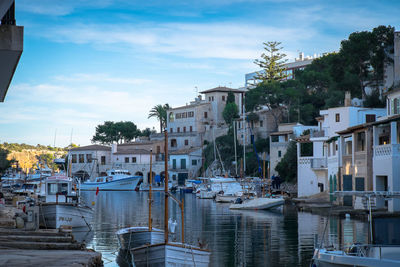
166 188
150 189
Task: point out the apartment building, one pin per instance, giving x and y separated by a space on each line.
318 153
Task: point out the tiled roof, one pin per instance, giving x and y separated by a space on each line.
132 151
92 147
222 89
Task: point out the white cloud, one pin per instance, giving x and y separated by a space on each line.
207 40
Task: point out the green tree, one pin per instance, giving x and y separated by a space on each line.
147 132
287 167
230 98
230 112
272 63
111 132
4 162
160 112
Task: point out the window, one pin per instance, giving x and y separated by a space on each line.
174 164
171 117
212 98
261 123
370 118
223 98
158 150
173 143
81 158
126 159
361 141
89 158
174 177
171 130
274 138
103 160
184 129
190 114
191 129
178 115
194 162
337 117
73 160
179 130
183 164
279 153
205 115
133 159
395 106
209 98
186 142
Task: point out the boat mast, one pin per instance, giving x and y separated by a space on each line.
166 187
150 189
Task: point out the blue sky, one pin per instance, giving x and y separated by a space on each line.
85 62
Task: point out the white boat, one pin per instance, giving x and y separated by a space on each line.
116 180
132 237
262 203
170 254
62 205
224 198
384 249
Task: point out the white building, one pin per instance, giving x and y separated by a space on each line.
94 160
319 166
185 164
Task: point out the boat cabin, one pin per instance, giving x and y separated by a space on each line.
58 188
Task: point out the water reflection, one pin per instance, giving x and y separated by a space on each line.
236 238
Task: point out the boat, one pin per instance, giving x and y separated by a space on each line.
261 203
62 206
132 237
384 246
168 253
116 180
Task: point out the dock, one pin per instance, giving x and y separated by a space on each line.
43 247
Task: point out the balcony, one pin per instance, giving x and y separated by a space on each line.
319 163
386 151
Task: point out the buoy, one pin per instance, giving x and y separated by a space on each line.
93 203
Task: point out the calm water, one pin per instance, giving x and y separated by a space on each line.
236 238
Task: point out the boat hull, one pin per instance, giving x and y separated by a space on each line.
259 204
52 215
225 199
125 184
171 254
324 258
133 237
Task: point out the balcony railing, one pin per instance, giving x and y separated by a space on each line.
319 163
386 150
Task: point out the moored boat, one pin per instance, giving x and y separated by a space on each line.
132 237
170 254
262 203
116 180
62 205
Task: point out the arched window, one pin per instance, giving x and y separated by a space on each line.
171 116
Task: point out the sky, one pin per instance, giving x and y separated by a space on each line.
86 62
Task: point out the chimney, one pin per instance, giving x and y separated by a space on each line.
301 56
347 99
396 58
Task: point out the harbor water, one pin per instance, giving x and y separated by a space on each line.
235 238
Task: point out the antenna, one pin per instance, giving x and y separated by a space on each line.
196 90
55 136
70 141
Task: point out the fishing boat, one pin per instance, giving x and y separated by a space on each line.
116 180
132 237
62 206
168 253
383 248
261 203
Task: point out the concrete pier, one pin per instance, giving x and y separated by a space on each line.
51 247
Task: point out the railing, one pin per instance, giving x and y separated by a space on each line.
317 133
319 163
383 151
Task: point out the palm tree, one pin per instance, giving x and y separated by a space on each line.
160 112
